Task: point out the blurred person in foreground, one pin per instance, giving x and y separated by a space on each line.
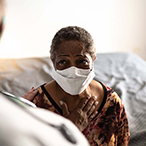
21 125
94 108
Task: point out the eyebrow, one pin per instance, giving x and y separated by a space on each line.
81 56
75 56
63 55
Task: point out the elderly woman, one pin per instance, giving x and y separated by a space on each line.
93 107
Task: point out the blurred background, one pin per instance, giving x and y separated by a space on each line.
116 25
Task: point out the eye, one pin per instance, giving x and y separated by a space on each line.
62 62
84 61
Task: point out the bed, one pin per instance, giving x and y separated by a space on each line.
124 72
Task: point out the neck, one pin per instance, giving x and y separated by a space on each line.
72 100
85 93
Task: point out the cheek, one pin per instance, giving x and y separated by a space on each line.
53 64
91 61
91 64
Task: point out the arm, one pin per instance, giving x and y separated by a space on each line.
123 129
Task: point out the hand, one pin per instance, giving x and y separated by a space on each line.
82 115
31 94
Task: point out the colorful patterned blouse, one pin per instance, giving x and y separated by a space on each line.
108 128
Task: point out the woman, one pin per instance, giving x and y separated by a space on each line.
94 108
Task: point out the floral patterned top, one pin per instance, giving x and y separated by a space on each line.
108 128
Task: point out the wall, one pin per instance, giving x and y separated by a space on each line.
116 25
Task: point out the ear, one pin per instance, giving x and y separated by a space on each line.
94 58
92 63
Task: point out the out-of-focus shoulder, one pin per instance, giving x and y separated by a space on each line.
113 96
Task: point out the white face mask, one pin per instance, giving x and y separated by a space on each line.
73 80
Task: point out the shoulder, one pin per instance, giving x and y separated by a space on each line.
111 94
111 98
50 85
113 102
97 88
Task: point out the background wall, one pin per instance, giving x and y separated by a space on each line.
116 25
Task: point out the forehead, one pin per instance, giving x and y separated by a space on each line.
71 47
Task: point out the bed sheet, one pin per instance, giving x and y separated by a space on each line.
124 72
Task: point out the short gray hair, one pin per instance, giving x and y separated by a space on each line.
73 33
